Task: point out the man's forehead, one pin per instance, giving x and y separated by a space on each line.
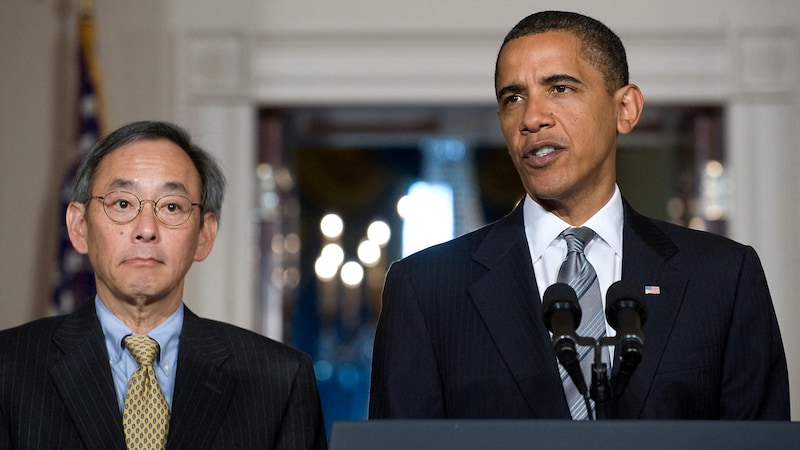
132 184
547 62
158 165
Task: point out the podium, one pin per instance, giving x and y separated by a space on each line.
562 434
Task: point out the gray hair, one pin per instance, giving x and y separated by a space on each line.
211 177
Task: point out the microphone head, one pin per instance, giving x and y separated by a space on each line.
560 297
624 295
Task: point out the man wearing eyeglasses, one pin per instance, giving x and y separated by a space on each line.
136 365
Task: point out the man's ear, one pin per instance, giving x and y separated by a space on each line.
630 102
208 233
76 226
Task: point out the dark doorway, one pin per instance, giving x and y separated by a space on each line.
358 162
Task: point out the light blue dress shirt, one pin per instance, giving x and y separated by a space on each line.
167 334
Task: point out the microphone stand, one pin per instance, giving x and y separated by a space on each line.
600 391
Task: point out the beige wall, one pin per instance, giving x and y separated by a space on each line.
140 67
37 48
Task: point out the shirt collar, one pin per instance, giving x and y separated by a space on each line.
167 333
607 223
543 227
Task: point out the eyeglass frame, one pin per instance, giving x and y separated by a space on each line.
141 206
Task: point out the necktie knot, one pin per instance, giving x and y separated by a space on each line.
576 238
576 270
143 348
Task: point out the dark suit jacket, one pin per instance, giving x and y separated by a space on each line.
461 333
234 389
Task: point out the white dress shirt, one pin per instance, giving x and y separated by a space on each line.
548 250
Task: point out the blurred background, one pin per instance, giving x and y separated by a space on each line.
356 132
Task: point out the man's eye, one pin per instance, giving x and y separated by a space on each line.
123 204
561 88
514 98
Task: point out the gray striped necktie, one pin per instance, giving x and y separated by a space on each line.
580 275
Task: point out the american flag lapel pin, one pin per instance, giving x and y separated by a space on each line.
652 290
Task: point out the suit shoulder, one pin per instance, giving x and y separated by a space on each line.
664 233
37 329
30 342
243 340
687 236
690 245
460 248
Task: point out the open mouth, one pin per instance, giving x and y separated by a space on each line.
544 151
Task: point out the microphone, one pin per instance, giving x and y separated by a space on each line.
562 314
626 313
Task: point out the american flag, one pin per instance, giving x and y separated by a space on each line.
652 290
74 284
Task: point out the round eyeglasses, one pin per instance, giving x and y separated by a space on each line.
122 207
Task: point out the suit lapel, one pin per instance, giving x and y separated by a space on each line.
83 379
508 300
203 390
647 251
509 303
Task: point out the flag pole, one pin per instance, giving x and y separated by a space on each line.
86 6
87 32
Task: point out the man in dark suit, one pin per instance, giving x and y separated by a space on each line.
64 380
461 332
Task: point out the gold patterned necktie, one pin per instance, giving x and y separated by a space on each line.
145 416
